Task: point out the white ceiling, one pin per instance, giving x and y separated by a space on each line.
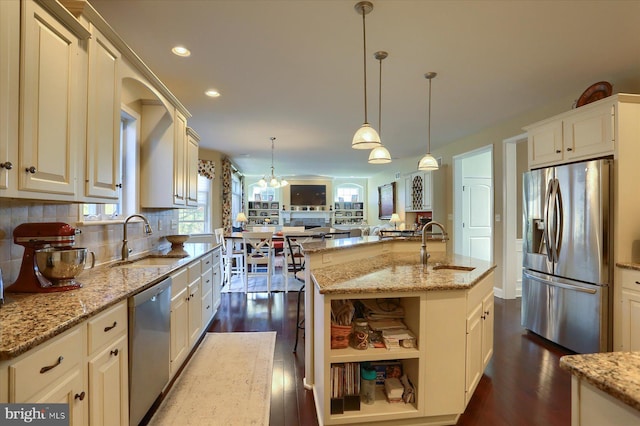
293 69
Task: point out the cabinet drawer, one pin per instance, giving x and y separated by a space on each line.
44 365
208 261
179 282
630 279
207 280
106 326
195 270
215 257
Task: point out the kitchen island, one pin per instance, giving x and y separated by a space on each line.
448 306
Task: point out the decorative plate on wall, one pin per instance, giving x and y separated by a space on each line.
595 92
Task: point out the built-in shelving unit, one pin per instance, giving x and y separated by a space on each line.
348 212
260 210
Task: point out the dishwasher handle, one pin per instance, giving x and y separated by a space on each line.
151 293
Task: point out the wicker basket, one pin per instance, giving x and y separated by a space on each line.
340 336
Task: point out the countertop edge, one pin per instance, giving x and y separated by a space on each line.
612 388
628 265
27 345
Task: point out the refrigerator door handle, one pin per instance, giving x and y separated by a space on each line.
547 229
558 282
559 220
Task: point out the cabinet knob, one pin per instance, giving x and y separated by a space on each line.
6 165
638 282
80 396
558 151
114 352
569 149
118 185
31 170
486 313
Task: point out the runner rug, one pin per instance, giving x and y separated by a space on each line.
226 382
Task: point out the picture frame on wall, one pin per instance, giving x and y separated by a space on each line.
386 200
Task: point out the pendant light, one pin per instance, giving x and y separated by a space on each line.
427 162
272 180
366 137
380 154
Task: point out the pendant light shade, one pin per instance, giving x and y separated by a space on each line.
366 137
380 154
427 162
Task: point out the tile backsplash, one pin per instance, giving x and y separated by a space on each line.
105 240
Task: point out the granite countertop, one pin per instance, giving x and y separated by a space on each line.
629 265
400 272
27 320
615 373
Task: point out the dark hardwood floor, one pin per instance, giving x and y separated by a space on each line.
523 384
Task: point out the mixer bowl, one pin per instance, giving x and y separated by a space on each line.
61 265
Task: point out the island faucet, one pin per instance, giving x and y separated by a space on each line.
147 230
423 248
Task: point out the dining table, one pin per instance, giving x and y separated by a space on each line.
233 241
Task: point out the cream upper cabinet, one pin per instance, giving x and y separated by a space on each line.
51 127
191 172
103 118
9 69
165 168
179 159
418 191
583 133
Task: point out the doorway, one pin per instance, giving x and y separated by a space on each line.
473 203
515 164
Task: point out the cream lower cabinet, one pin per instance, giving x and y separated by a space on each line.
444 369
53 372
179 319
630 317
592 407
479 340
108 367
211 286
186 312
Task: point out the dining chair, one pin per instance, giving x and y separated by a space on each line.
295 260
232 262
258 254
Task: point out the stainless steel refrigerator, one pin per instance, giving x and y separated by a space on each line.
567 270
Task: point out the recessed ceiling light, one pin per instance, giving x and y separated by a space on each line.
181 51
212 93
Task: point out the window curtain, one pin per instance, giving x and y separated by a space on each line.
226 195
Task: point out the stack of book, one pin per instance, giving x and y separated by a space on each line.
345 387
394 333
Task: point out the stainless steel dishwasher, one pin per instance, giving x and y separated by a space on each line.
149 347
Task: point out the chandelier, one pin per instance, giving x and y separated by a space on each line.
272 180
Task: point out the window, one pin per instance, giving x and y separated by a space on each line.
349 192
236 196
259 193
197 220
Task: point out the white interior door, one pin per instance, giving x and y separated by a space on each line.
473 203
476 217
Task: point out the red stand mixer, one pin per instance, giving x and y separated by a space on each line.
37 236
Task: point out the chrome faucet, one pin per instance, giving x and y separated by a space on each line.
147 230
423 248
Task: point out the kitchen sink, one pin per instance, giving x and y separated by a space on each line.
454 268
147 262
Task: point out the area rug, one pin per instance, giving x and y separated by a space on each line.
226 382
